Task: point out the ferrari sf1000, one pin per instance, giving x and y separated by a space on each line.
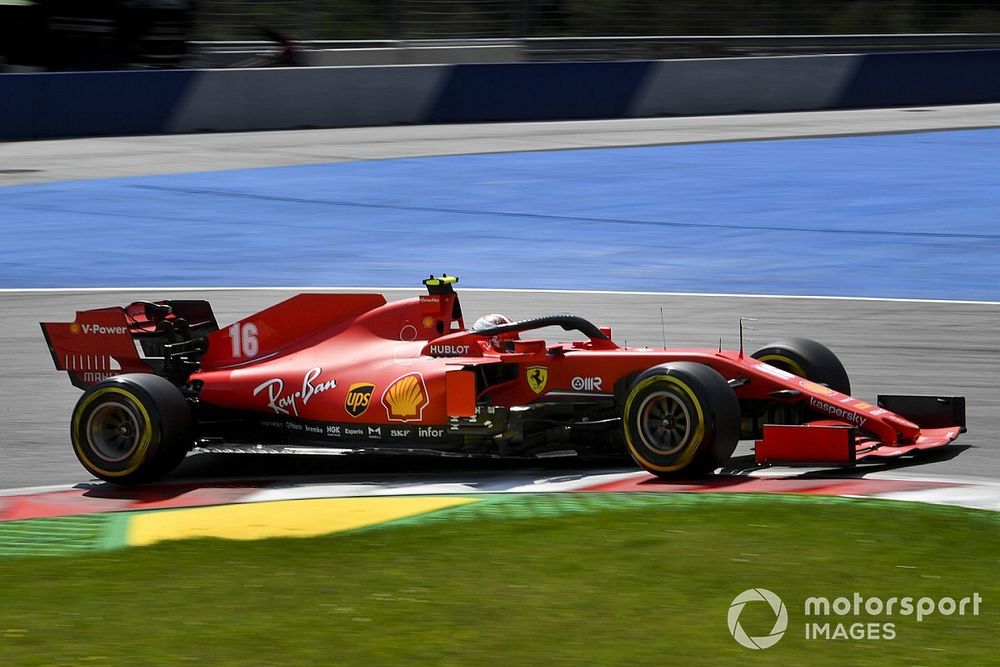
353 372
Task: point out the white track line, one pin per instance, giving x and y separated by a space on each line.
494 482
971 496
85 290
32 490
512 484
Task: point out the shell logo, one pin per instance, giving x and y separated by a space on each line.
74 328
406 398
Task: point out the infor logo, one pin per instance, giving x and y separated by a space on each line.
780 622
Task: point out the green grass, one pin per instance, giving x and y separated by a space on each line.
526 580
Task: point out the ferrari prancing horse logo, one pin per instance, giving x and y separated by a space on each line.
537 377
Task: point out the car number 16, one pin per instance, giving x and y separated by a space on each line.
244 339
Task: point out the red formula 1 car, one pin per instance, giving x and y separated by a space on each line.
351 371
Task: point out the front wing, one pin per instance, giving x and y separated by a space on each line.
940 418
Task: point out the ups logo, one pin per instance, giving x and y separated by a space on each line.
359 397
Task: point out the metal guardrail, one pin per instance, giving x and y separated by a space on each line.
467 19
541 49
701 46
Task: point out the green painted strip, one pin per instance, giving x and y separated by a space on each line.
60 536
538 505
116 531
533 505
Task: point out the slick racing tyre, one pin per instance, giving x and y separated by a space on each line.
681 417
131 428
808 359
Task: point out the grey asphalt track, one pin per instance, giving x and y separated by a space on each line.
106 157
888 347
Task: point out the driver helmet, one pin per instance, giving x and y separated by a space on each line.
493 320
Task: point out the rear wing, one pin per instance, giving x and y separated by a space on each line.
162 337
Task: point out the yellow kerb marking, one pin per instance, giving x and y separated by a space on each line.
283 518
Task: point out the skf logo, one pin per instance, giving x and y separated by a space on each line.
406 398
538 376
359 397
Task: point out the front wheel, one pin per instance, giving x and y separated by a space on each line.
807 359
681 417
131 428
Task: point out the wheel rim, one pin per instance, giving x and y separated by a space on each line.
784 363
665 423
113 431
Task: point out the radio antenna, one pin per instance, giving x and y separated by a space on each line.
742 319
663 329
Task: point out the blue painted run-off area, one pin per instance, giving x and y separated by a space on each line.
910 215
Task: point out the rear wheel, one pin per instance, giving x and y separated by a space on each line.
131 428
681 417
807 359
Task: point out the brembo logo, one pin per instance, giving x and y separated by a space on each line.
359 397
97 329
406 398
839 413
